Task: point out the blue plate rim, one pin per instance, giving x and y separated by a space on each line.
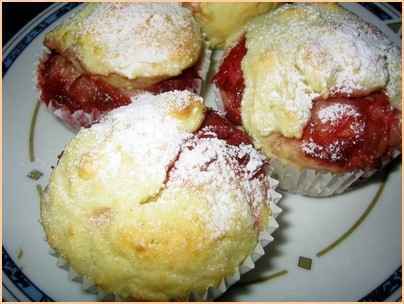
10 268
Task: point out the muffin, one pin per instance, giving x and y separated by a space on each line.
319 91
219 21
108 52
161 200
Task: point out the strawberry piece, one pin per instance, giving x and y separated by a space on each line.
230 81
66 87
215 125
223 129
88 92
55 77
187 80
354 133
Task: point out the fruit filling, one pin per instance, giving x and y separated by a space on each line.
348 132
229 79
66 87
352 132
216 126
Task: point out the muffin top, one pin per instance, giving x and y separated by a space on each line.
150 206
301 53
129 39
220 21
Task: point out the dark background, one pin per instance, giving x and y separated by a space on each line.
16 15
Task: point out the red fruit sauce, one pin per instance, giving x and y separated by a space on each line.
223 129
349 142
187 80
229 79
215 125
63 85
354 141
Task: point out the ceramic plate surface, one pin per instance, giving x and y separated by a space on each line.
365 265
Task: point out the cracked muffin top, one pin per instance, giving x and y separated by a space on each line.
162 198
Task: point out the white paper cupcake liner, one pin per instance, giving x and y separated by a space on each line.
211 293
303 181
75 120
311 182
317 183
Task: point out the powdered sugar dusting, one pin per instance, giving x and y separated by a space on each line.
145 132
303 51
332 151
335 112
161 156
135 39
231 190
178 100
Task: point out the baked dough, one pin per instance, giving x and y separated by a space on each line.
220 21
301 52
130 40
122 219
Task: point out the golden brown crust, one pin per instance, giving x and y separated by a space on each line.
220 21
138 42
112 212
329 51
303 52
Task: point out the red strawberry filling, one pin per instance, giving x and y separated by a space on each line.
351 133
216 126
229 79
187 80
66 87
222 129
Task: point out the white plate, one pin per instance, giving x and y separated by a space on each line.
368 260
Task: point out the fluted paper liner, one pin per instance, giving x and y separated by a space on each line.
311 182
304 181
315 182
212 292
